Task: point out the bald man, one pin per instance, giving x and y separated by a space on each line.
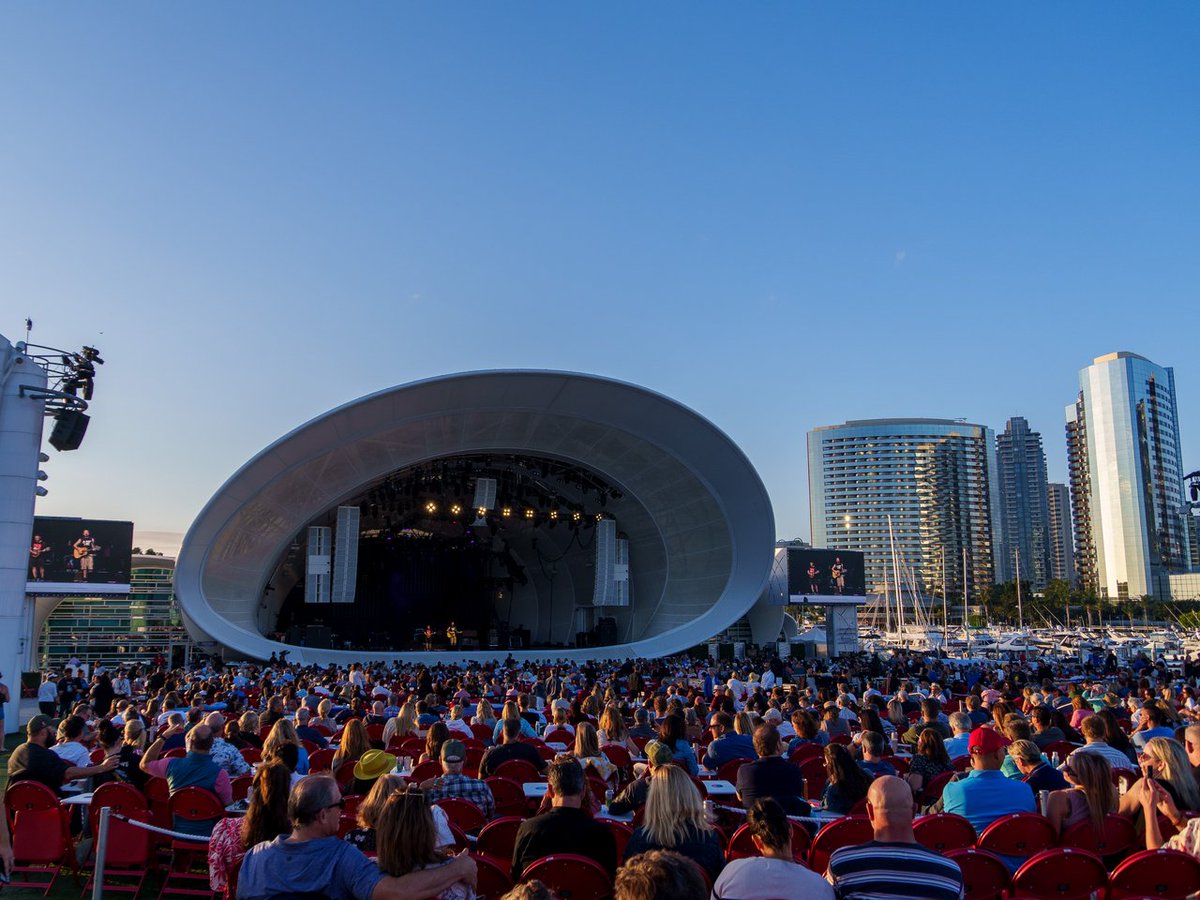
893 864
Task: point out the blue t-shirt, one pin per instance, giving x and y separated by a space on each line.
326 866
986 795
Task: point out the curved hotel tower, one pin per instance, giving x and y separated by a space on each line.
934 478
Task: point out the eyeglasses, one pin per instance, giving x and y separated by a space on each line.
341 804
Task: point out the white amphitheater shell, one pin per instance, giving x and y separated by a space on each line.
698 518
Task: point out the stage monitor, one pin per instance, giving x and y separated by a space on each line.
79 556
816 575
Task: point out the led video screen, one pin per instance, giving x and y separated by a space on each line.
67 554
825 573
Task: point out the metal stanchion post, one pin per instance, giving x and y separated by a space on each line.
101 850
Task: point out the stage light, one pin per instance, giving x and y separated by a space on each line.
600 517
430 507
506 512
455 509
481 512
576 516
554 515
529 513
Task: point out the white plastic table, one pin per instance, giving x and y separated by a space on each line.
535 790
718 787
84 799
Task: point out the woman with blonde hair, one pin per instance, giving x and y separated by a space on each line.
406 837
402 725
484 714
587 751
322 719
284 732
743 724
674 820
512 711
613 730
353 745
560 719
1090 797
1165 762
248 728
363 837
896 716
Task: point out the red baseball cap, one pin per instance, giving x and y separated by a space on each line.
986 740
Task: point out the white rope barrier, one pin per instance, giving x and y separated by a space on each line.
106 816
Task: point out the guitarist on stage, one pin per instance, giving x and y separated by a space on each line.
37 565
452 636
84 549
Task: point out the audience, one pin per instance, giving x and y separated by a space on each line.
726 744
407 841
266 818
985 794
453 783
675 820
774 874
566 828
847 782
659 875
1090 797
34 761
1035 771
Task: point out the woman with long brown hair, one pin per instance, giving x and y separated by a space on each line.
1090 797
266 818
437 735
929 760
587 751
847 784
613 730
406 840
353 745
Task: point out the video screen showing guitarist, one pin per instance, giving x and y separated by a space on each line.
85 549
38 550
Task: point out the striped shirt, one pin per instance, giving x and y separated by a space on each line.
878 871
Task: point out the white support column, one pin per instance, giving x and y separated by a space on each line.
20 442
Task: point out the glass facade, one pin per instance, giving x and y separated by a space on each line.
1137 510
119 629
1080 476
1024 504
1062 555
927 484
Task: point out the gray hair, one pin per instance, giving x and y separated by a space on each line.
311 795
960 723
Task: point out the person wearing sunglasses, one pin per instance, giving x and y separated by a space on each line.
312 860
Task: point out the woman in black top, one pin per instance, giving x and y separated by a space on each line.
675 820
847 782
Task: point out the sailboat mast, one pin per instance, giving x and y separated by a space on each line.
945 608
896 577
1020 613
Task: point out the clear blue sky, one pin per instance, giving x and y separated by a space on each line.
783 215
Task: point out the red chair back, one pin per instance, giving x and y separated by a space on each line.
559 735
815 775
482 732
375 733
943 832
842 832
519 770
158 796
251 755
617 755
1118 836
97 756
621 834
570 875
36 824
599 787
1019 834
463 813
728 770
492 881
1155 873
239 788
431 768
641 742
961 763
323 730
742 846
508 794
899 763
321 760
195 804
498 837
843 739
806 751
1062 748
985 876
932 792
1060 872
128 845
175 753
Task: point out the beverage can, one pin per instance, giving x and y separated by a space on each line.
1043 801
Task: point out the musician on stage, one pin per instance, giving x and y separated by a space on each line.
37 565
85 548
428 637
452 635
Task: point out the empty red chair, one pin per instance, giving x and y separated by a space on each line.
431 768
932 791
1018 834
463 813
559 735
97 756
985 876
618 755
375 734
193 810
741 845
492 880
482 732
621 834
1060 872
570 875
806 751
728 770
251 755
843 739
41 840
943 832
321 760
498 837
842 832
474 758
240 786
461 841
1155 873
815 777
128 854
508 794
519 770
1118 837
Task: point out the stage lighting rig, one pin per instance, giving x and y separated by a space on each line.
71 382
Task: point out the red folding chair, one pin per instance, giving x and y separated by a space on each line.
321 760
985 876
944 832
1018 834
519 770
41 837
128 854
1062 748
815 776
641 742
375 734
899 763
474 758
741 845
559 736
618 755
482 732
508 794
491 878
932 791
463 813
1155 873
429 769
1062 872
843 832
239 788
175 753
806 751
188 872
1118 837
252 755
498 837
621 834
570 875
961 763
728 770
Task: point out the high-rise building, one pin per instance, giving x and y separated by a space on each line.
1062 552
1024 508
1127 488
925 486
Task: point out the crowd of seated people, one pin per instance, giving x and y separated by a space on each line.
374 781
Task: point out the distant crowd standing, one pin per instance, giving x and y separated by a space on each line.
402 780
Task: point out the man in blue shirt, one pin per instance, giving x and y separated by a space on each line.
986 794
727 744
1157 726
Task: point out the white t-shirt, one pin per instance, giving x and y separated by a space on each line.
759 878
47 692
77 755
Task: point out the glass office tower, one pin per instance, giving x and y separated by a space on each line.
1024 505
1062 550
1136 512
935 478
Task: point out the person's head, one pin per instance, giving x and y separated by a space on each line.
674 808
987 748
267 815
530 890
743 723
1191 744
1167 761
1016 728
437 735
315 804
405 835
719 723
135 734
200 739
587 744
657 754
766 741
659 875
843 770
282 732
769 827
1092 729
673 730
249 723
1092 773
805 725
511 730
454 756
71 728
960 723
1154 715
890 807
1042 718
1026 755
873 744
931 745
215 721
303 714
930 709
567 781
372 804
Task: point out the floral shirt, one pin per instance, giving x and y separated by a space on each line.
1187 840
225 852
229 758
